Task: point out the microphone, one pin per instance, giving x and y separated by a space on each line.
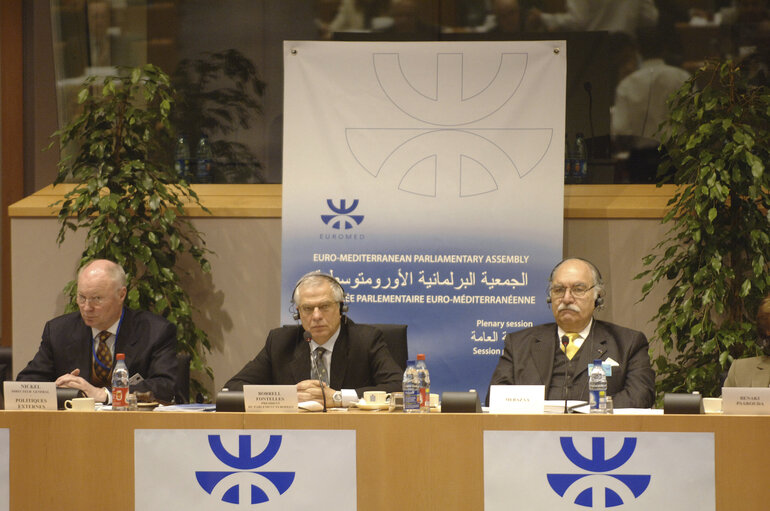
565 343
308 337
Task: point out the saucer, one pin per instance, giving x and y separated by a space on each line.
363 405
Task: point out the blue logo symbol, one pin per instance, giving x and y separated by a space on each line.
588 486
342 219
244 463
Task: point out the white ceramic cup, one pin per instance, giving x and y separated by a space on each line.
712 404
80 404
376 397
433 399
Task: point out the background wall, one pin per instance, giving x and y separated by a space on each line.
239 302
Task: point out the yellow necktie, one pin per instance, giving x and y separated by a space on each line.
571 348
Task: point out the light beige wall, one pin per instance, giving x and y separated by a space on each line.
239 302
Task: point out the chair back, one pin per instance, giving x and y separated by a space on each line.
395 338
182 390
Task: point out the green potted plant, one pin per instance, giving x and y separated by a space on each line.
714 258
130 200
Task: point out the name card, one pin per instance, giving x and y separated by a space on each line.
746 400
270 398
517 399
30 395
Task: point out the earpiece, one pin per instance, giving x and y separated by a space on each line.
335 284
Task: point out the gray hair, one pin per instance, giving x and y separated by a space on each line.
314 279
113 270
598 284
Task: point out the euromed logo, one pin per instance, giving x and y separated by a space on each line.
244 485
598 486
450 143
342 219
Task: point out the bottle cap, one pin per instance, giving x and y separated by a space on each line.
120 356
421 356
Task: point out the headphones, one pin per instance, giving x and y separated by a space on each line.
317 274
599 282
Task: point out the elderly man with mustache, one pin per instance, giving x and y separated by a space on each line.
557 354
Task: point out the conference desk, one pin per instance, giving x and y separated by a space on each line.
54 463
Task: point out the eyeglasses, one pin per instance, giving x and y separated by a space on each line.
96 301
323 307
577 291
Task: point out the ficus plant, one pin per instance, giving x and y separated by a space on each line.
130 200
713 259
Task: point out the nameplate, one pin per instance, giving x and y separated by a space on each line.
30 395
746 400
517 399
270 398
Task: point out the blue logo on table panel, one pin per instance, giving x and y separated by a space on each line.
244 463
342 219
597 484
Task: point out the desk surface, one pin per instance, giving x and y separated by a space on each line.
53 464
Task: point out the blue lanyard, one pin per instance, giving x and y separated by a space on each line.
94 342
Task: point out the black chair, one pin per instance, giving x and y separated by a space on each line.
182 387
6 363
395 338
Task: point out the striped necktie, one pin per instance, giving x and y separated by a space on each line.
102 362
321 372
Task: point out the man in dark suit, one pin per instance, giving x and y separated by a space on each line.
327 347
78 349
557 355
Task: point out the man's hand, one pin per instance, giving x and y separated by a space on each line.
74 381
310 390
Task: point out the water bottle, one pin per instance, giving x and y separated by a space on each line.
424 378
597 389
581 158
411 388
203 163
182 158
120 384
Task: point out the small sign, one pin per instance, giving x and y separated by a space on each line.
746 400
30 395
270 398
256 470
598 470
517 399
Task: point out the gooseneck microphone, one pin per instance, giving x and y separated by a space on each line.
565 343
308 337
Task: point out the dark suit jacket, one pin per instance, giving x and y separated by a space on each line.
529 354
360 361
148 340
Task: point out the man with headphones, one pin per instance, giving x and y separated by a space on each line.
557 354
331 359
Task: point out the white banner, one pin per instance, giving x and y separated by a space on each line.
211 470
428 178
5 487
623 471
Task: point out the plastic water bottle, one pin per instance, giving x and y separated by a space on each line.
120 384
424 378
182 158
203 164
597 389
581 158
411 388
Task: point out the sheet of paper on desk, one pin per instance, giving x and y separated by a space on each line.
190 407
